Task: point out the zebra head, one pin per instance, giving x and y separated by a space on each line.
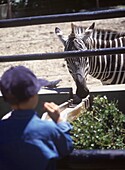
79 66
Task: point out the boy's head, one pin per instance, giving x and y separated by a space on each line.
18 84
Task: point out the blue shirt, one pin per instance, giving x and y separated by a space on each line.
26 141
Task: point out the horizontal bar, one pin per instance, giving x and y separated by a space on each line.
68 54
47 19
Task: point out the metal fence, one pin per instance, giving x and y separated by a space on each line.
82 16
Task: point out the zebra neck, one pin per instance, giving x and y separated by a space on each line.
98 43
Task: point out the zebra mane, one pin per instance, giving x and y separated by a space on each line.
77 31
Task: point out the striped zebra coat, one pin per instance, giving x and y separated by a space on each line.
110 69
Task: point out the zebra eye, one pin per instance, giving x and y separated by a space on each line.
79 44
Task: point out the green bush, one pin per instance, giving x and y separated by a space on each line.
102 127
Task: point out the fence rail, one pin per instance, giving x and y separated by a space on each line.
48 19
104 14
47 56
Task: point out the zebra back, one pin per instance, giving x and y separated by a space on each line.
102 34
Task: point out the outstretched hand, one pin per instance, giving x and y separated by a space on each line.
53 111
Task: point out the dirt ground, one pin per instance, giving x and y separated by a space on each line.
42 39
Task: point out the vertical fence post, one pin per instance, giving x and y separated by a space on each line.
9 8
97 3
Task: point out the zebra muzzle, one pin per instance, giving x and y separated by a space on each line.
82 90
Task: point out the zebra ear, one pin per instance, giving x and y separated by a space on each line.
58 31
92 26
60 35
89 30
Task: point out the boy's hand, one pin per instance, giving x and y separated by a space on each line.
53 111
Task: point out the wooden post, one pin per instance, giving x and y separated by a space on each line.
97 3
9 8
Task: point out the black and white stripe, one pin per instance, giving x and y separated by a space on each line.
103 34
110 69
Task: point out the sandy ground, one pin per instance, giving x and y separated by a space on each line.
42 39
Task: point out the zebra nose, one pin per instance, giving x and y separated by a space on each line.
82 91
76 99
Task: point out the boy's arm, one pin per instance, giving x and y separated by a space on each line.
63 140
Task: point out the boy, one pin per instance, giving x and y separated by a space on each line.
26 141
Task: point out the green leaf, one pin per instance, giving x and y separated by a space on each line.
102 127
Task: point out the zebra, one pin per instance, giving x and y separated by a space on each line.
107 68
